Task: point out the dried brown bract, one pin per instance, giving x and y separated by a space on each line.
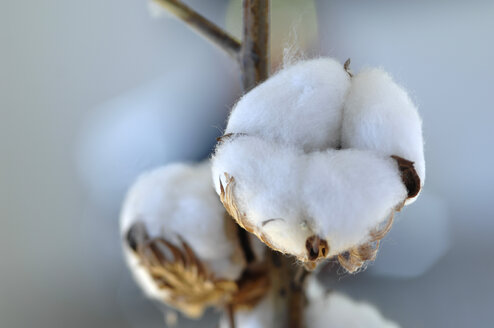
356 257
186 281
228 199
409 175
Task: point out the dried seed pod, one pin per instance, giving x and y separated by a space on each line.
182 247
314 160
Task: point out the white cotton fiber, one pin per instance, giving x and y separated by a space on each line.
267 187
380 116
349 192
336 310
288 196
261 316
178 201
301 105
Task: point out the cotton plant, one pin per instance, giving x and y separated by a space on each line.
315 161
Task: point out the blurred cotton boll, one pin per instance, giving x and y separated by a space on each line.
293 26
420 236
176 117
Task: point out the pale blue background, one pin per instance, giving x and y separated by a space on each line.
93 92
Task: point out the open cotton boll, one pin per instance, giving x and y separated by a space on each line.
288 198
300 105
336 310
315 162
380 116
180 244
178 201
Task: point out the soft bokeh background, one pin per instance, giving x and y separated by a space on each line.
94 92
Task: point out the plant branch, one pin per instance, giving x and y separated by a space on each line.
231 316
254 59
203 26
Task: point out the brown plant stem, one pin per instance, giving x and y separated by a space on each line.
231 315
254 59
203 26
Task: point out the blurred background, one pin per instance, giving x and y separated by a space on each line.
94 92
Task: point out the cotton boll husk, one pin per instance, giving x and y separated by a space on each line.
348 193
380 116
267 183
336 310
288 196
178 201
261 316
301 105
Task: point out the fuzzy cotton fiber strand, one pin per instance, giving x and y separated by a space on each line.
301 105
314 161
177 202
380 116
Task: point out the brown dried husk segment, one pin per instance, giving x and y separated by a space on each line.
228 199
188 284
409 175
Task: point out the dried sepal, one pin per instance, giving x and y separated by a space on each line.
228 199
346 66
409 175
317 250
356 257
252 287
189 285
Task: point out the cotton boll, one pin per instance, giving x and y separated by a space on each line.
178 200
336 310
143 278
174 210
347 193
301 105
380 116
